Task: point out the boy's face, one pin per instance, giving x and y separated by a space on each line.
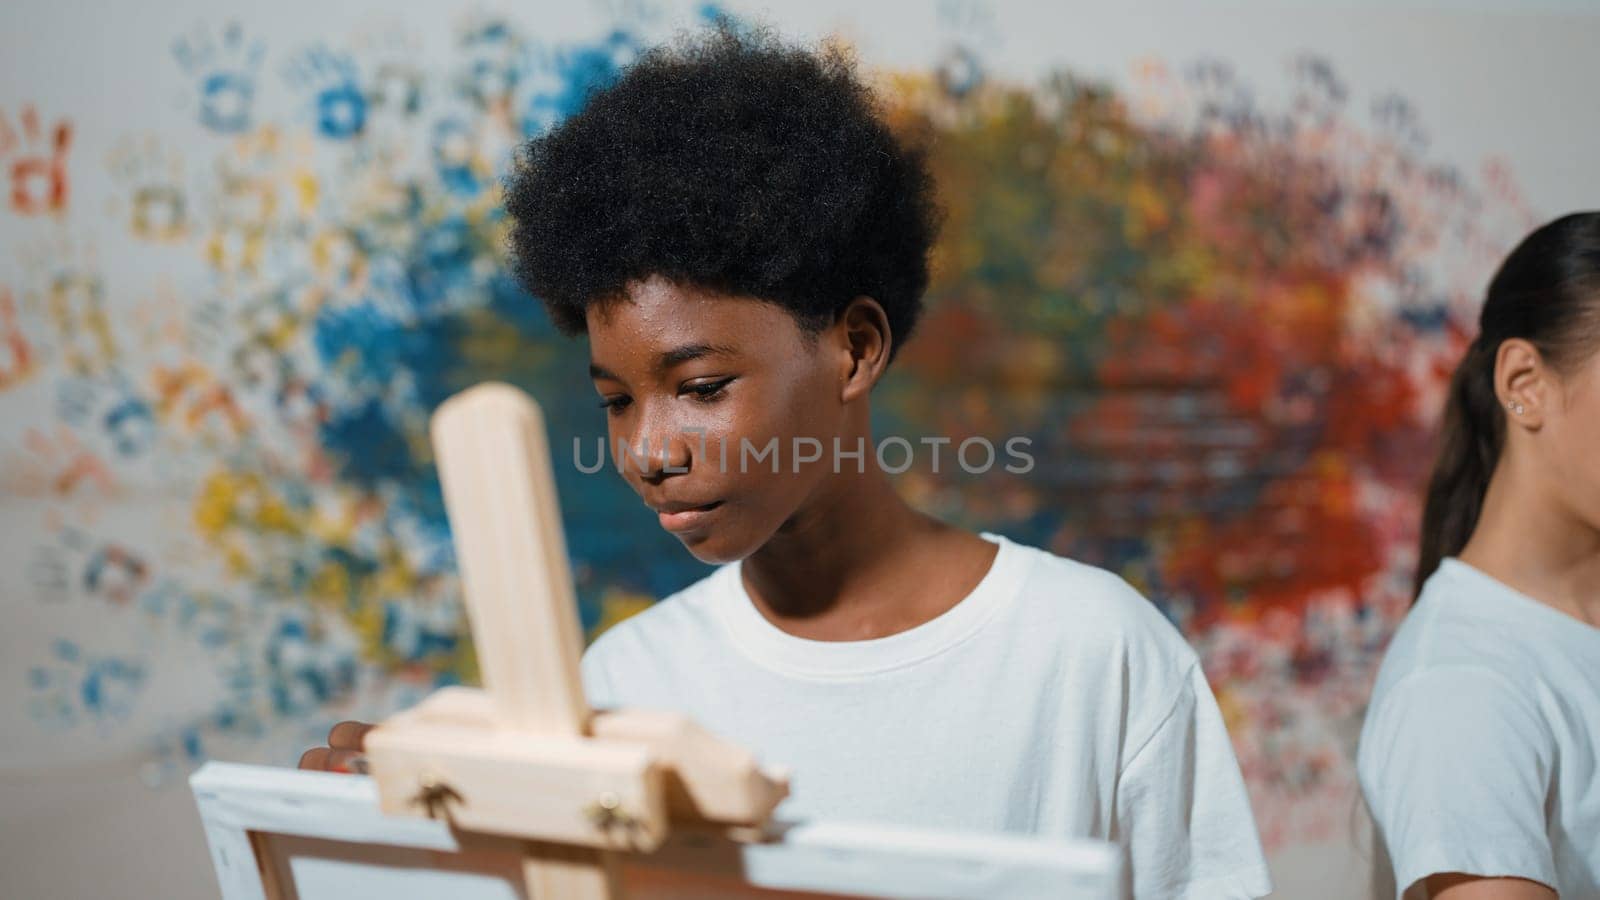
670 362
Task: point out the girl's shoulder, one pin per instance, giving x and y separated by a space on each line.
1466 620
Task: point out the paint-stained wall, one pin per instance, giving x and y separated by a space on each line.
1220 305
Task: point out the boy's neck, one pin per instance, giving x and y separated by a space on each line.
859 562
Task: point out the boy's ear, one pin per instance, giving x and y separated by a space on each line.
864 327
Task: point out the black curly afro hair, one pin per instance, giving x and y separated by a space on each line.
731 163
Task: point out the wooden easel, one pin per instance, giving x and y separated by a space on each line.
525 758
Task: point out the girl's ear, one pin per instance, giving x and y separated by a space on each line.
1522 382
864 328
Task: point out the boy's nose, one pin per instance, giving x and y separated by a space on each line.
659 452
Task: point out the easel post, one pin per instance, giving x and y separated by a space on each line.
526 757
493 458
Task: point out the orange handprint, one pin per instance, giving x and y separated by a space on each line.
38 179
60 465
198 399
16 354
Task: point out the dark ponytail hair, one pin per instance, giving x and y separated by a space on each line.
1546 292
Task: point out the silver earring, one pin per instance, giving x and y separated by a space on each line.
1515 407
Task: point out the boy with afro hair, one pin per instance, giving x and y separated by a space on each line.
745 244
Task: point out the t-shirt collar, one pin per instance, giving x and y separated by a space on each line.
1513 600
771 647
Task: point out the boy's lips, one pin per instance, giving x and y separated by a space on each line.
682 517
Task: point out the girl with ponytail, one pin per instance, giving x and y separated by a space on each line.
1480 755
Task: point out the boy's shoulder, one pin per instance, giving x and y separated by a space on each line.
1092 610
684 614
1065 586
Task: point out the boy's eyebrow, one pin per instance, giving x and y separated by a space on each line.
672 358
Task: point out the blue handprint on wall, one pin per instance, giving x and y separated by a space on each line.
226 75
339 106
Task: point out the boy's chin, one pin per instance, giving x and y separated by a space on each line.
714 547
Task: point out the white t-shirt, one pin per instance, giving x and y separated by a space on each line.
1478 751
1052 700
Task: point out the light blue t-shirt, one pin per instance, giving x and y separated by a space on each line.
1478 750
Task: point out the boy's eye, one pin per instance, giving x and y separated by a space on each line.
710 391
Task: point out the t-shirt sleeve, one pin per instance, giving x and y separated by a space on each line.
1182 809
597 688
1455 765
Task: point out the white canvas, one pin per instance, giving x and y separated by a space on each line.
326 839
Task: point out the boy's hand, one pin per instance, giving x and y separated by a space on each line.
343 753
